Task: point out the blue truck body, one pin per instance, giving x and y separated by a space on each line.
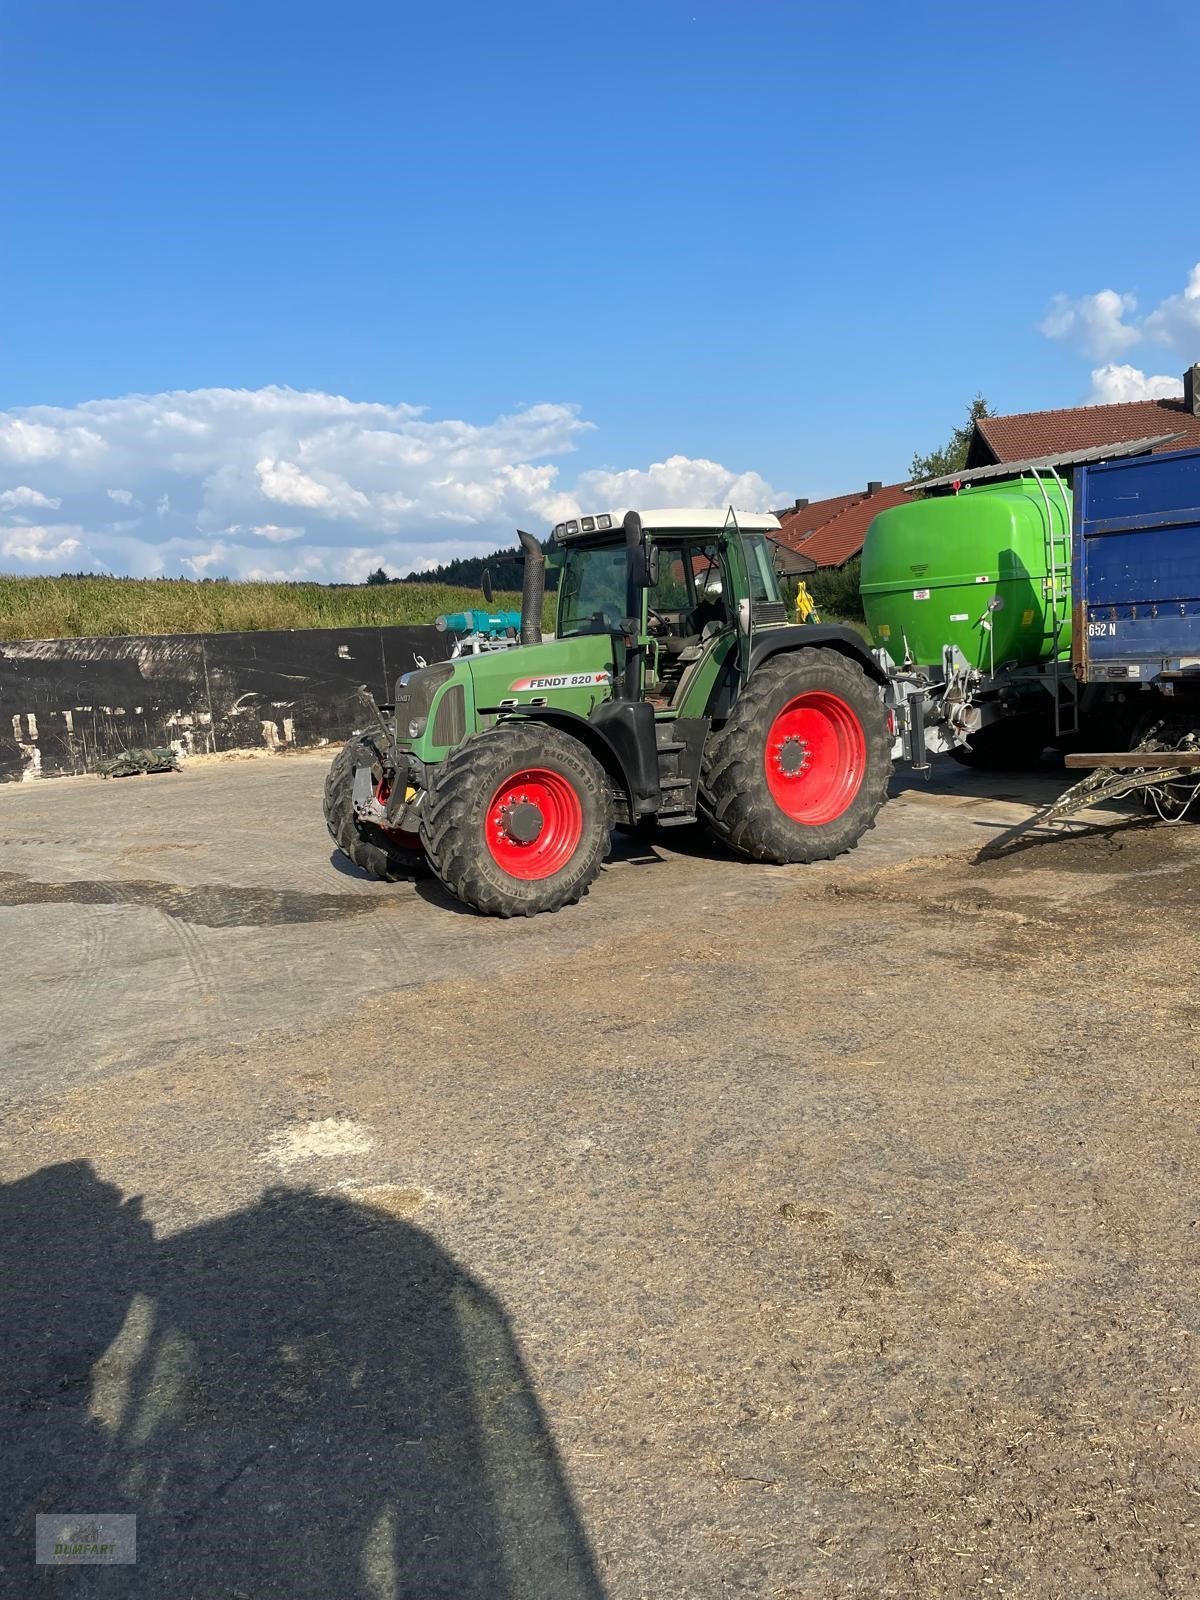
1136 571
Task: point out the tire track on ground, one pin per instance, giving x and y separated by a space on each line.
196 957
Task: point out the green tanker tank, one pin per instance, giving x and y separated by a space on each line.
986 569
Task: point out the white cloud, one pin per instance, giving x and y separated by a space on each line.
677 481
1176 321
203 562
1094 323
38 546
275 534
1104 325
25 440
376 484
23 495
1114 383
284 481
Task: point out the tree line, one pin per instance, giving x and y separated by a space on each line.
466 572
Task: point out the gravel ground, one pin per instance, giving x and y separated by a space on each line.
810 1233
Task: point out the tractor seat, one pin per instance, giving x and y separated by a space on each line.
686 646
694 652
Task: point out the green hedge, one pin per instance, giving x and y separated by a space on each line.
835 589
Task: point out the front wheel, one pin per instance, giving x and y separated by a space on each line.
517 820
383 852
801 768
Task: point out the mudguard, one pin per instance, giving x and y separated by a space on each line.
619 733
804 635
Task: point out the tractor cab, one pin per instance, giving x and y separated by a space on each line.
683 581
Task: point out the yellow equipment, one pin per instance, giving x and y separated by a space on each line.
806 606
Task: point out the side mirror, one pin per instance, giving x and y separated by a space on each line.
486 584
652 559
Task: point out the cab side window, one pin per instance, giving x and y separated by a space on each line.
669 593
690 589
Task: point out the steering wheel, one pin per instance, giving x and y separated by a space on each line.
656 621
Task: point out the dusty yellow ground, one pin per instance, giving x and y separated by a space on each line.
804 1234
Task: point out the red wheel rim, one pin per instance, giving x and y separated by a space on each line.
540 802
816 757
404 838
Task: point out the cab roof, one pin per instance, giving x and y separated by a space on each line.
673 519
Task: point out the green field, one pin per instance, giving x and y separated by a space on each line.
73 608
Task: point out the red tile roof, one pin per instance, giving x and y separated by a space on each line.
830 532
797 524
1041 433
843 536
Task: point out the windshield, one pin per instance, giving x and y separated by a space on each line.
591 591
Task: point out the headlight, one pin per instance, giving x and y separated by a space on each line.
417 727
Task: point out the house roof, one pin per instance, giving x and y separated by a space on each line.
1041 433
1050 464
844 535
799 521
788 560
830 532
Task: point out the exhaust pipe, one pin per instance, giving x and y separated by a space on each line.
635 582
533 589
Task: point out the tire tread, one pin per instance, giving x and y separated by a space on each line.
734 798
453 838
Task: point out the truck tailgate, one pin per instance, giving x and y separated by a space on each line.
1137 567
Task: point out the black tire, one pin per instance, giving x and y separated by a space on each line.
454 819
1014 744
735 797
366 846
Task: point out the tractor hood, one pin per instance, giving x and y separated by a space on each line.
440 705
575 674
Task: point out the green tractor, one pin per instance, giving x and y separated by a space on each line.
674 690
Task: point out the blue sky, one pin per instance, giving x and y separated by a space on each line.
786 242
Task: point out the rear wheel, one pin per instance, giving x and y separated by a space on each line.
517 820
385 853
801 768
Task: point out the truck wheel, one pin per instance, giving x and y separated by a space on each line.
801 768
392 856
517 820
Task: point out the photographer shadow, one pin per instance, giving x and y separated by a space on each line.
306 1398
